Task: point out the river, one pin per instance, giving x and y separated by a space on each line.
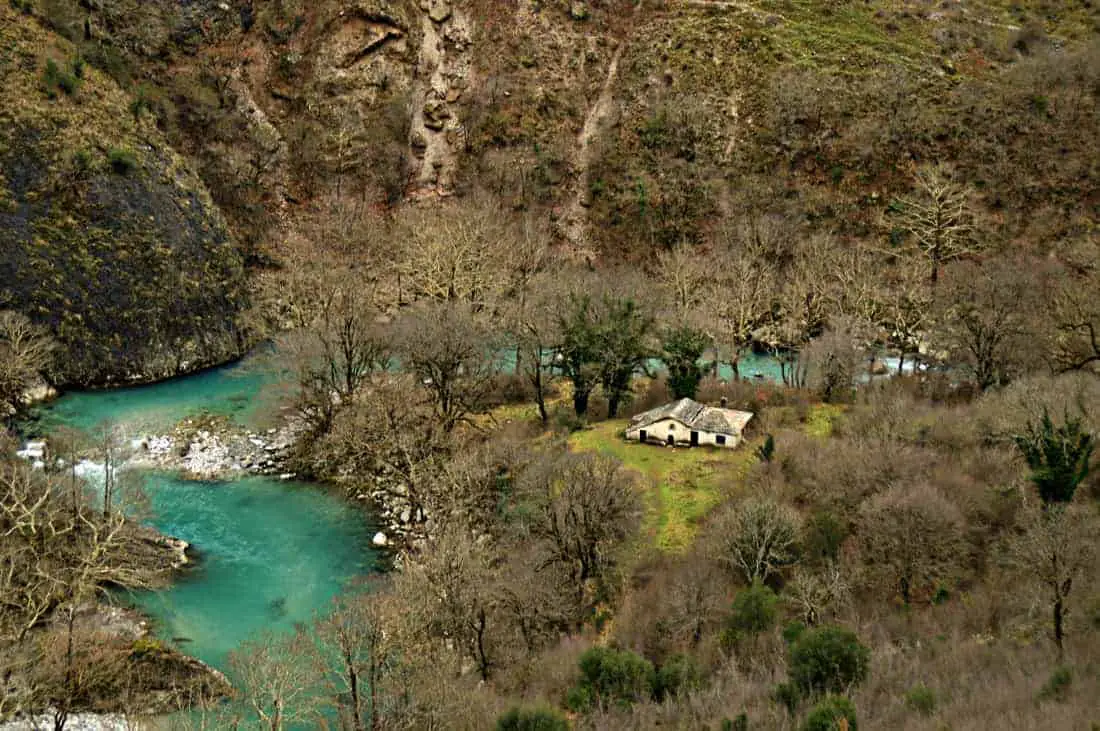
270 553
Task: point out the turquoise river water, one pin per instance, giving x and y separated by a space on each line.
271 553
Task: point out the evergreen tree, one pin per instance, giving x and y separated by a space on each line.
1058 457
683 347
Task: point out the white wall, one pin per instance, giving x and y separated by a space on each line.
658 431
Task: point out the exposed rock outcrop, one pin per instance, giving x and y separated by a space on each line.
109 237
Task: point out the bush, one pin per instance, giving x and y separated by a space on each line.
793 631
610 677
741 723
829 714
680 673
122 160
788 696
823 537
1057 686
921 699
754 612
54 78
828 660
532 719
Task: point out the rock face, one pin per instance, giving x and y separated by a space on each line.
108 237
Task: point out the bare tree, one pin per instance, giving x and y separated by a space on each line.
455 357
984 320
353 655
1053 548
816 594
1075 337
454 585
457 251
340 350
938 217
910 538
757 538
741 292
907 308
807 296
25 352
274 678
588 506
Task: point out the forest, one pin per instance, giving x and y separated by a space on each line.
481 236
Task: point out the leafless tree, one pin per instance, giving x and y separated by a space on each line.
910 538
757 538
339 351
741 290
1075 337
939 218
588 506
275 680
1053 549
455 357
25 352
353 654
457 252
984 320
816 593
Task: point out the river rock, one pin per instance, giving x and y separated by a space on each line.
380 540
406 515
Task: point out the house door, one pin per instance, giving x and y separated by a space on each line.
695 439
670 440
642 435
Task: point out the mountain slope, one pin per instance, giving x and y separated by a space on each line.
109 238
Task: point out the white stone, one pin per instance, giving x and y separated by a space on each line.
380 539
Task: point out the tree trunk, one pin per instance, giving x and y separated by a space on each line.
540 396
580 401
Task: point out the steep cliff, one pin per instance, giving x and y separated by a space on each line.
108 236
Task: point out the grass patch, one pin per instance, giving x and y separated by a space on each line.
682 483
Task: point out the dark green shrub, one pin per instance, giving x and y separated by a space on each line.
122 160
532 719
55 78
793 631
766 451
741 723
754 612
828 660
921 699
1057 686
82 163
611 677
788 696
829 713
24 6
823 536
678 674
77 65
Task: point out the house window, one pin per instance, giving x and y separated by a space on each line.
672 427
719 439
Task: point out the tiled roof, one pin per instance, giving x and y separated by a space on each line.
695 415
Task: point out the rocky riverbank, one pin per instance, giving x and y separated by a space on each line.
214 448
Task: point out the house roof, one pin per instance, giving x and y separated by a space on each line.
697 416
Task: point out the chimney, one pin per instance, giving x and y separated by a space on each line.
724 402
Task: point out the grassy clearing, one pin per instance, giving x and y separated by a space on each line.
684 483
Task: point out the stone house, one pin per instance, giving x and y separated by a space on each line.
690 423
